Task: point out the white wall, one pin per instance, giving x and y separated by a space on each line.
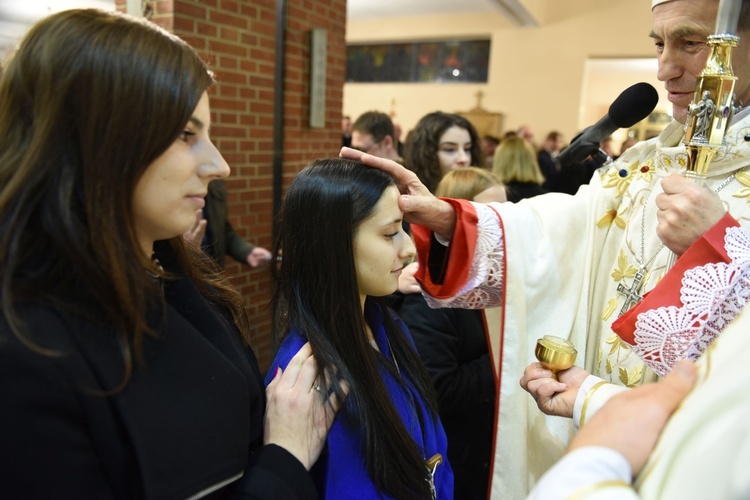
537 75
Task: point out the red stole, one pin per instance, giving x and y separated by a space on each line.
709 248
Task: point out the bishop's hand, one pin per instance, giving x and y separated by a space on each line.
686 211
417 203
553 397
631 422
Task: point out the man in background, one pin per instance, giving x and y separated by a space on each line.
216 236
373 133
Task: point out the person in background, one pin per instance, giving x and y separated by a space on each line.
398 131
627 144
608 146
439 143
374 133
526 132
547 159
346 131
472 183
213 232
516 166
344 249
124 359
453 346
489 145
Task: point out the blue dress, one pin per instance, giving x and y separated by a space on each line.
340 472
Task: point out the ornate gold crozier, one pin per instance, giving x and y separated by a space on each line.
555 354
713 105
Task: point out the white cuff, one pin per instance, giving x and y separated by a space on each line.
586 386
589 472
592 395
443 241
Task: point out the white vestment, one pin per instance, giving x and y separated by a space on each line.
565 257
704 451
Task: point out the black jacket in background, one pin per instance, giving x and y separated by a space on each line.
222 240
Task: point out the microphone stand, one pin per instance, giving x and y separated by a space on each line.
713 106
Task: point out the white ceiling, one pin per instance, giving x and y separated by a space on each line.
17 15
358 10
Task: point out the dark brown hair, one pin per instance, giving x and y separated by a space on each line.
377 124
322 210
421 150
89 100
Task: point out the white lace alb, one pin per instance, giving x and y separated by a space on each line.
483 288
712 295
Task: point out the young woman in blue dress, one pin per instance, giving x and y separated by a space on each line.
343 250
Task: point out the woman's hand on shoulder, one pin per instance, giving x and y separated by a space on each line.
299 411
552 396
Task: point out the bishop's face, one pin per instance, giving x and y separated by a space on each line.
680 30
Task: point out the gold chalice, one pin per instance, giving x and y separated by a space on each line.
555 354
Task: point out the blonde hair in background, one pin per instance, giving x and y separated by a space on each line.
515 161
466 183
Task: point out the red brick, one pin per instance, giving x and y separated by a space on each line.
228 19
241 47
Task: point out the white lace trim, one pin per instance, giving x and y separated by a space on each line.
712 296
483 287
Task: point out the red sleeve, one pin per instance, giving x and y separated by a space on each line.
707 249
442 272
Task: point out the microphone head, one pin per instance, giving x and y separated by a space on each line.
633 105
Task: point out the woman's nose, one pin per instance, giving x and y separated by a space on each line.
213 164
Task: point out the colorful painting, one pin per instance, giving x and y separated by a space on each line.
460 61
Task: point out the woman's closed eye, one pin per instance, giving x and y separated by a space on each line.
187 136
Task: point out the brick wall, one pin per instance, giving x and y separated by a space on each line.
237 38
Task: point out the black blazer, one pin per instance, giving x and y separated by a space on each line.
189 420
518 191
222 240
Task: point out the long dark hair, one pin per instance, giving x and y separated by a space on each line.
89 100
316 293
421 149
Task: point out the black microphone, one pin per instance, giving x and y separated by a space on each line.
633 105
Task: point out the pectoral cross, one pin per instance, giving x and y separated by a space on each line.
631 294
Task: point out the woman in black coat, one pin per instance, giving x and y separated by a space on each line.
124 365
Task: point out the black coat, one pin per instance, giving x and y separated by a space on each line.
517 191
453 346
550 170
221 238
190 418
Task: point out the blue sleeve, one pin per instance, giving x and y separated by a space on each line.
288 348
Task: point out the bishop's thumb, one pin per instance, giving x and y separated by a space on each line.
678 383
